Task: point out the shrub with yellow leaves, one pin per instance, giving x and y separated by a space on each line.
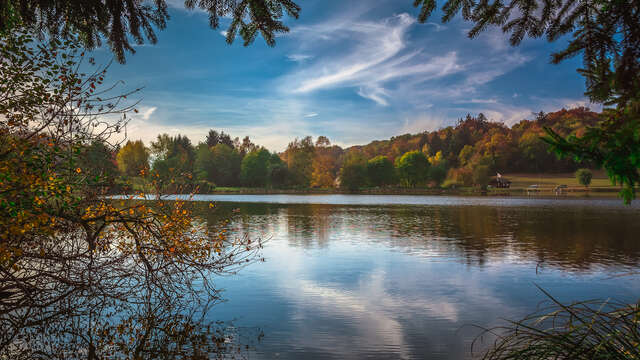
74 263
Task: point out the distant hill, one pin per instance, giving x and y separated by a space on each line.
515 149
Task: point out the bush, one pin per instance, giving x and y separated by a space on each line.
481 176
462 176
584 176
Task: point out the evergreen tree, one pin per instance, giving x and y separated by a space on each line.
118 21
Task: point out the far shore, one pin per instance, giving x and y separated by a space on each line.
609 192
533 185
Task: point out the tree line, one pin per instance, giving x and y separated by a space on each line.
465 154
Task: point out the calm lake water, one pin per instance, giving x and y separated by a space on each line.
386 277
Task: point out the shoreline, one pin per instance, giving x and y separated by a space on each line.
471 192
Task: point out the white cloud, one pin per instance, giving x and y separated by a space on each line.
146 114
375 93
568 104
438 27
423 122
379 61
271 122
376 42
179 5
299 57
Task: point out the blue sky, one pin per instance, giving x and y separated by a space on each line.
354 71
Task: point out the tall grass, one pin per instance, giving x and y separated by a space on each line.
592 330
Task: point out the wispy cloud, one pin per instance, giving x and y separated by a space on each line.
146 114
370 62
436 26
382 64
299 57
310 115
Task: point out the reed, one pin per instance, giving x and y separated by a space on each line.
590 330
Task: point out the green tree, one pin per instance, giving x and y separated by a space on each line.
584 176
353 174
227 163
204 166
247 146
299 157
413 168
481 176
99 160
614 144
380 171
133 158
214 138
174 157
255 168
465 155
535 151
438 173
278 172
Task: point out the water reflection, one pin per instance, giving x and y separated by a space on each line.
405 281
139 324
566 238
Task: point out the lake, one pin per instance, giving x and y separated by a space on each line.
412 277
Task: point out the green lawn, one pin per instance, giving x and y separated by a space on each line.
520 181
524 180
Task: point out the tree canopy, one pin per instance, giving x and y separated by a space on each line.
255 168
380 171
452 154
133 158
413 168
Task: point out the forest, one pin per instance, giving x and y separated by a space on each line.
467 154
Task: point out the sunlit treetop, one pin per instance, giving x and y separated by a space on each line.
123 22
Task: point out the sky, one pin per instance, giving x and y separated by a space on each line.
354 71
